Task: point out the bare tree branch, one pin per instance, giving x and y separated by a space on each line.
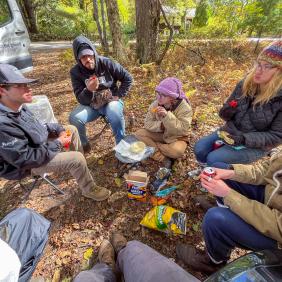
168 42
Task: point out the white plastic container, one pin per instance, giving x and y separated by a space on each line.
42 109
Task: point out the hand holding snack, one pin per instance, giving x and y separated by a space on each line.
92 83
65 138
225 136
161 112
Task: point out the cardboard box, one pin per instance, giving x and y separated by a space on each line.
136 183
137 175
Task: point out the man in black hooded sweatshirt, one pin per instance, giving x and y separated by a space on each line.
91 76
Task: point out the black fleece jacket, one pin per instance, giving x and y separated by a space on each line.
107 71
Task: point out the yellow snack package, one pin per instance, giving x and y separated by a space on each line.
224 135
165 219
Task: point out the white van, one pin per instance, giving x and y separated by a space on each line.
14 38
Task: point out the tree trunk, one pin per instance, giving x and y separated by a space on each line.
102 3
81 4
29 14
114 22
147 22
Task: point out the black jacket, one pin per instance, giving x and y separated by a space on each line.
261 126
24 144
107 71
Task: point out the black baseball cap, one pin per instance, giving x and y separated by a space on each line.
11 75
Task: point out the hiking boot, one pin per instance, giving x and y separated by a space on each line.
98 193
118 241
107 254
204 202
197 259
86 148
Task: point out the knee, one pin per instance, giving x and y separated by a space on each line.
215 218
78 159
73 119
114 107
199 150
141 132
179 151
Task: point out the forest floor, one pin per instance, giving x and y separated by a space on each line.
209 73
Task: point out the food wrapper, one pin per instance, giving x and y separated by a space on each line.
225 136
165 219
137 192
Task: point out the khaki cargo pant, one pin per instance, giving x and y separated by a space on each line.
172 150
72 161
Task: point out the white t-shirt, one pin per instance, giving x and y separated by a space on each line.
10 264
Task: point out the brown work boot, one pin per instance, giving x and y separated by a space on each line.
98 193
196 259
107 254
118 241
205 202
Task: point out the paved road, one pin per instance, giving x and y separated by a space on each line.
42 46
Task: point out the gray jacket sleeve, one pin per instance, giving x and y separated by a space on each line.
14 149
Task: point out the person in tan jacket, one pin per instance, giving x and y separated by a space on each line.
168 121
251 217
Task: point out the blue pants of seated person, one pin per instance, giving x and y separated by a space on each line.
224 230
204 152
81 115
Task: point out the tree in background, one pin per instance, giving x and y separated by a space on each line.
147 21
102 33
28 8
115 27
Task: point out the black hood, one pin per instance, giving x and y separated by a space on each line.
77 43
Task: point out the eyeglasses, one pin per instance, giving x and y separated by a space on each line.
263 67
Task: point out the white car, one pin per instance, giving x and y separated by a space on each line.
14 38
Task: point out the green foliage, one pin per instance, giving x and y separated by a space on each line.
202 16
235 18
58 21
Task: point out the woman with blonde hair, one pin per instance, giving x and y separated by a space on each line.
253 115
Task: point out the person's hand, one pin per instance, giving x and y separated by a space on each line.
223 173
92 83
238 139
161 112
216 187
64 139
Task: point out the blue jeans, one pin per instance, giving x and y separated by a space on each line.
84 114
224 230
204 152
